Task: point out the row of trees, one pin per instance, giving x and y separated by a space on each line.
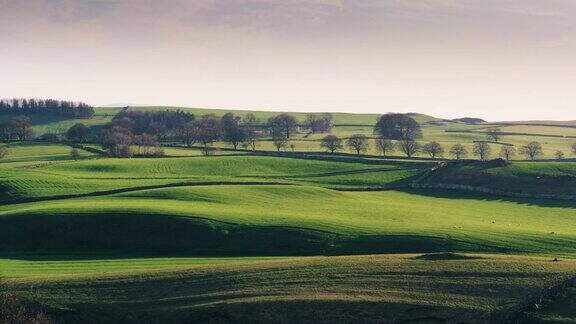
47 107
147 129
120 135
360 143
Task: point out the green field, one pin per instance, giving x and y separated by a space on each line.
243 236
473 289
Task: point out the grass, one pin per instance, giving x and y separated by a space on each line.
36 152
222 166
57 124
33 179
327 289
339 118
216 220
69 267
532 178
252 238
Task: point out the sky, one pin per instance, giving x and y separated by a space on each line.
493 59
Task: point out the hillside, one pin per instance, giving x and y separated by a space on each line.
91 206
448 287
188 237
342 119
553 136
550 179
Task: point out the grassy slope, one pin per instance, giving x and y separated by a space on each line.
339 118
55 124
218 221
320 289
35 152
271 220
40 178
536 178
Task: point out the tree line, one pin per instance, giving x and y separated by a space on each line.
400 132
141 132
131 129
46 107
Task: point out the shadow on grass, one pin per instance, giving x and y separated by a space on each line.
99 236
463 194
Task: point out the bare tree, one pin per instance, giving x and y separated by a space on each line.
494 134
434 149
532 150
279 139
507 152
319 123
144 143
233 132
190 132
19 127
116 140
249 123
331 143
358 143
210 131
559 155
397 127
285 123
75 154
78 133
409 147
482 150
458 151
385 146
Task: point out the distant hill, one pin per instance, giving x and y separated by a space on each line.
470 120
340 119
559 123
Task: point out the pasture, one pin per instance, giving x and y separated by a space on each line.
189 237
391 288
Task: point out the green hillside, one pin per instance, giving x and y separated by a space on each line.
286 219
528 178
339 118
198 238
411 288
554 137
60 124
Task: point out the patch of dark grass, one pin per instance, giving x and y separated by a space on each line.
445 256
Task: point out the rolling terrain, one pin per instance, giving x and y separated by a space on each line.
298 236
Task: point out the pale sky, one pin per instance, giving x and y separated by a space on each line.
494 59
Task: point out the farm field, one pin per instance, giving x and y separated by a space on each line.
270 233
442 287
288 162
